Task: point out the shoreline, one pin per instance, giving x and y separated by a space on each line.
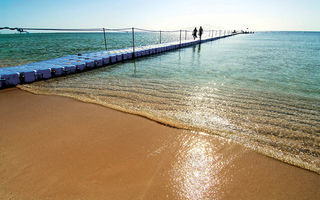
54 147
264 150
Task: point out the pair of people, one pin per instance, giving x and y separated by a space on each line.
194 32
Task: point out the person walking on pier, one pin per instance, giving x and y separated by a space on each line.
194 33
200 32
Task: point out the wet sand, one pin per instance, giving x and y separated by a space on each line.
59 148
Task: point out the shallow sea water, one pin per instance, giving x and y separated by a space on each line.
260 90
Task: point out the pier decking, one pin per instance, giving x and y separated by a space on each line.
11 76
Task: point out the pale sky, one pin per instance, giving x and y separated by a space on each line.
258 15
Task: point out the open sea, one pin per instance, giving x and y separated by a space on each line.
261 90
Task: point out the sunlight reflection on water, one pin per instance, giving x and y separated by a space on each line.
240 92
196 174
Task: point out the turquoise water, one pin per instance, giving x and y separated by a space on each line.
260 90
19 49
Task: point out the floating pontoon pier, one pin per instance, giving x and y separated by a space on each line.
11 76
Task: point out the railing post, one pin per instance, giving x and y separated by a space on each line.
185 35
160 36
105 40
180 38
133 54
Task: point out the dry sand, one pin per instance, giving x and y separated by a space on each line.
59 148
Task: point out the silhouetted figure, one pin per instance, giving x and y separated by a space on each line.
194 33
200 32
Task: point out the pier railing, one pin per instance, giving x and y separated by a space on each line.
55 67
174 35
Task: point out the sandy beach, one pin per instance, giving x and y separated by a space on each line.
58 148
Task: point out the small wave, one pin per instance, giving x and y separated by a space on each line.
275 146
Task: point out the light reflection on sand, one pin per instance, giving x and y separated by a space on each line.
197 173
218 97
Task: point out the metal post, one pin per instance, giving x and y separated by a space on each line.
160 36
185 35
180 38
133 42
105 40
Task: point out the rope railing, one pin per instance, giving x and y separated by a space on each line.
50 29
96 29
169 31
93 29
117 29
182 33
